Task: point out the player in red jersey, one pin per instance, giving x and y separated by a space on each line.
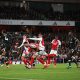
40 52
54 49
37 49
26 51
26 54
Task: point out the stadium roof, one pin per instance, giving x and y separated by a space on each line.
54 1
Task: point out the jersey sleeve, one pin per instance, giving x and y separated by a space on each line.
36 39
29 49
22 43
59 42
52 41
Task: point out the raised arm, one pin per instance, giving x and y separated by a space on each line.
25 39
22 43
36 39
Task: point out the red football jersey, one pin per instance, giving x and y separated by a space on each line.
55 44
27 50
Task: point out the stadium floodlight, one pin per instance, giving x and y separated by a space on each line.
24 1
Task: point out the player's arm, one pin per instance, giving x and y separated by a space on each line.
59 44
36 39
52 41
22 43
76 42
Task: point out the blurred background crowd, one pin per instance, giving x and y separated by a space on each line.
39 11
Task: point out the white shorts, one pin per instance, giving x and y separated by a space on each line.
53 52
42 52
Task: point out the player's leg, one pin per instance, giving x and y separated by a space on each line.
79 63
45 58
52 54
69 61
15 57
33 65
55 61
76 62
7 62
2 60
41 59
69 58
34 55
38 58
32 59
26 62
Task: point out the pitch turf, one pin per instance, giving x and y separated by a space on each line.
19 72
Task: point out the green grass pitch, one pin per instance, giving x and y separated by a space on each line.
19 72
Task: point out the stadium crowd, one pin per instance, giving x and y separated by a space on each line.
8 12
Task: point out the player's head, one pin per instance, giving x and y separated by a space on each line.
40 35
15 46
70 34
56 37
26 44
24 36
16 43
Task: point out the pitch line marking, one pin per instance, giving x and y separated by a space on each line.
17 78
38 73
